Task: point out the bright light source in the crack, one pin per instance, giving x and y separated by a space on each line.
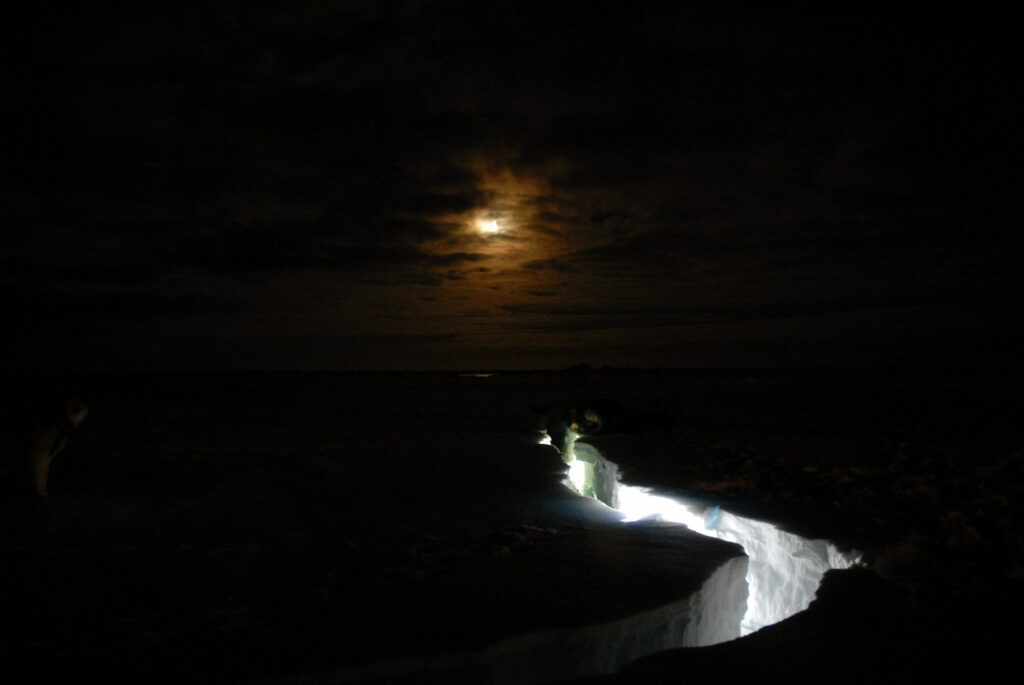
638 503
578 475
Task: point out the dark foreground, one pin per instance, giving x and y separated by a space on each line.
236 527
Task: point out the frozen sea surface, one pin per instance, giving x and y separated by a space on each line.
352 526
255 526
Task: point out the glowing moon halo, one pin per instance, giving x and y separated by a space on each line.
489 226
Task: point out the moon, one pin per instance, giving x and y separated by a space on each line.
489 226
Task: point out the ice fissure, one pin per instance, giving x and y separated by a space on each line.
777 578
710 616
784 569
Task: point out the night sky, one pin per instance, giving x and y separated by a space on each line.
311 186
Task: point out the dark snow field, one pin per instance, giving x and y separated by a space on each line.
283 527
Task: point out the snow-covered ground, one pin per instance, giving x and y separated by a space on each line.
280 526
359 526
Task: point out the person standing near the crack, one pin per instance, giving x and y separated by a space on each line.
33 438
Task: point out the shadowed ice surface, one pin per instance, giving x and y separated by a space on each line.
353 527
302 526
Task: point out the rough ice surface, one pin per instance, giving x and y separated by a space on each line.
784 569
778 578
719 606
710 615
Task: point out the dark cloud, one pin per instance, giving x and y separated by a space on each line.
463 274
560 318
651 164
558 265
55 308
120 275
274 249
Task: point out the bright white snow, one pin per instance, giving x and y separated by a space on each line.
784 569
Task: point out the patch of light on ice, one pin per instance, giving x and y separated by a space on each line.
638 503
578 474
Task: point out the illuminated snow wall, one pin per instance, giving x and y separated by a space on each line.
784 569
